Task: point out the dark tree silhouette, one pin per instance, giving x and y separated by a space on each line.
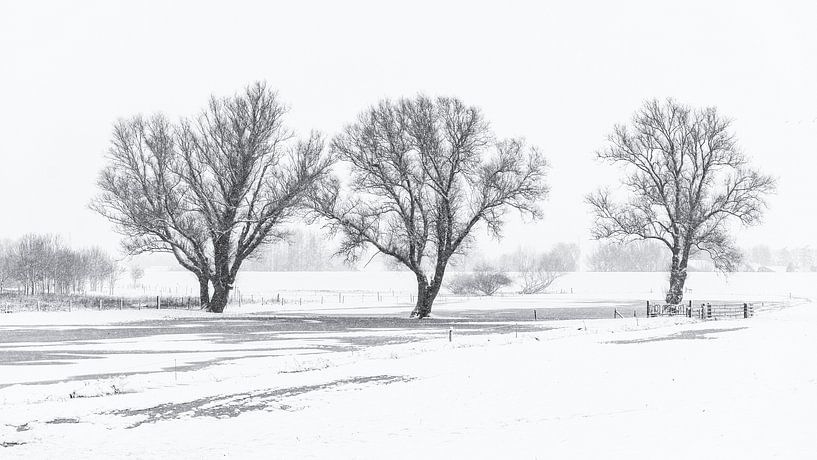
210 190
685 180
424 173
147 203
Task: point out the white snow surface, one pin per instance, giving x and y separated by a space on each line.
659 388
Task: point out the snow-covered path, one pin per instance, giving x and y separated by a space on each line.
720 389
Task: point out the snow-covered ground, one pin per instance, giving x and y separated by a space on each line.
626 388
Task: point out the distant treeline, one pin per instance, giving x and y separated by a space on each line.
802 259
36 264
637 256
562 257
650 256
303 250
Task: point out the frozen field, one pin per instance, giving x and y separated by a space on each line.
358 379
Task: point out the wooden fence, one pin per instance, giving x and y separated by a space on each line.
726 310
705 311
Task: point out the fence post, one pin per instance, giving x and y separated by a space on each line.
689 310
708 310
648 309
158 303
745 310
534 314
450 333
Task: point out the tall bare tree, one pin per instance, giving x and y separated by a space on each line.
147 203
424 173
686 179
211 189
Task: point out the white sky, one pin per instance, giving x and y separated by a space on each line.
560 75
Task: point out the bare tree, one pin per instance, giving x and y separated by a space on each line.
33 261
686 179
536 278
146 202
424 173
136 275
6 264
210 190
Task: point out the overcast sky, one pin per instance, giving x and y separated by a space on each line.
561 75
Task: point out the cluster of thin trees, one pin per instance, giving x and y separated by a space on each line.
410 179
43 264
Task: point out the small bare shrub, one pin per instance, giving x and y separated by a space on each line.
484 280
537 280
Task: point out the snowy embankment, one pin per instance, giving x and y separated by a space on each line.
717 389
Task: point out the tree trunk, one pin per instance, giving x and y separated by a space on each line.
425 297
204 291
221 294
677 278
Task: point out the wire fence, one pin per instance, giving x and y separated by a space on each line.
15 301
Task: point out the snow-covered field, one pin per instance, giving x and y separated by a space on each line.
400 285
335 382
377 292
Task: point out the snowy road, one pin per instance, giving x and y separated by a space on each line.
720 389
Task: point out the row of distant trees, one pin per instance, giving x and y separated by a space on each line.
43 264
636 256
802 258
640 256
410 179
647 256
302 250
562 257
